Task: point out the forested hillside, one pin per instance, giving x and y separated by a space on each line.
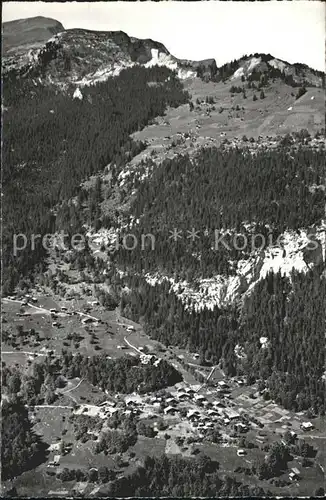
178 477
267 68
21 448
53 142
271 191
289 313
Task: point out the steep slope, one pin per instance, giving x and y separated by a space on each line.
86 56
263 67
270 184
40 47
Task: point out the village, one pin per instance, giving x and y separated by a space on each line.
207 412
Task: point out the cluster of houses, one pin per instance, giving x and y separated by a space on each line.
200 411
27 298
202 414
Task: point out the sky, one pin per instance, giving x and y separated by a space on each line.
292 31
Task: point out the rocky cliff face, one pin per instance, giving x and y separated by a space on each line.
265 64
85 57
40 47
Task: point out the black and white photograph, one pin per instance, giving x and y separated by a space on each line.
163 237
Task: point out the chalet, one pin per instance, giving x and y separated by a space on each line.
307 426
63 308
147 358
87 320
294 474
130 329
240 427
231 414
199 397
218 404
241 452
53 310
193 415
170 410
170 400
182 396
55 323
189 390
105 403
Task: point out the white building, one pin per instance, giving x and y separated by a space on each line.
170 410
306 426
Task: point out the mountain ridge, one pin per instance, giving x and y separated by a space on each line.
28 31
86 56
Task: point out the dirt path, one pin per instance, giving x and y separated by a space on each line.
87 316
25 352
73 388
51 406
310 436
132 346
68 391
207 379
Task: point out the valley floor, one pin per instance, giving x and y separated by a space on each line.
191 408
